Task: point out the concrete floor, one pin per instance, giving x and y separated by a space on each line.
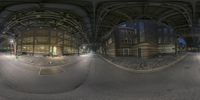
94 79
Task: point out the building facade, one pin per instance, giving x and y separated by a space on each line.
143 38
46 41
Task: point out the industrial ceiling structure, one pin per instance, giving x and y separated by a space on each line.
94 19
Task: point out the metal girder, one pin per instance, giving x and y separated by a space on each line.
121 5
124 14
168 16
184 12
164 14
105 9
63 21
81 25
181 26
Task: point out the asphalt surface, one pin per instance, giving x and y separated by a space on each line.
92 78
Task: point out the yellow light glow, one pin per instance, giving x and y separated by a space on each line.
54 50
9 56
57 58
86 55
42 47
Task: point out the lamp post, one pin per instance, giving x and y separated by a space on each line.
13 46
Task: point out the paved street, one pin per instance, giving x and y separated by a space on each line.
92 78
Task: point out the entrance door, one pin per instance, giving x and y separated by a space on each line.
125 51
139 53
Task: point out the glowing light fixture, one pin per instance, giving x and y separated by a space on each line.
11 41
84 47
54 50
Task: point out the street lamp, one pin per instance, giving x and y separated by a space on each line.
11 41
84 47
12 46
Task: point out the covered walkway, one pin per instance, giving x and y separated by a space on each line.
84 31
95 79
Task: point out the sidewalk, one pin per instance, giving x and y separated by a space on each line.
135 64
42 62
47 61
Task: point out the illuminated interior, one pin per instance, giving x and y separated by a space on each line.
47 41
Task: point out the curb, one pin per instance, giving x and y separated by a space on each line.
144 71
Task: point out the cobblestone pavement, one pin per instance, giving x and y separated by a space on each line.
96 79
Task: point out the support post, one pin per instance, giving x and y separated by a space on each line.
49 37
33 43
21 42
63 43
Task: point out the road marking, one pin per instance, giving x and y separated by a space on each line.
51 71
